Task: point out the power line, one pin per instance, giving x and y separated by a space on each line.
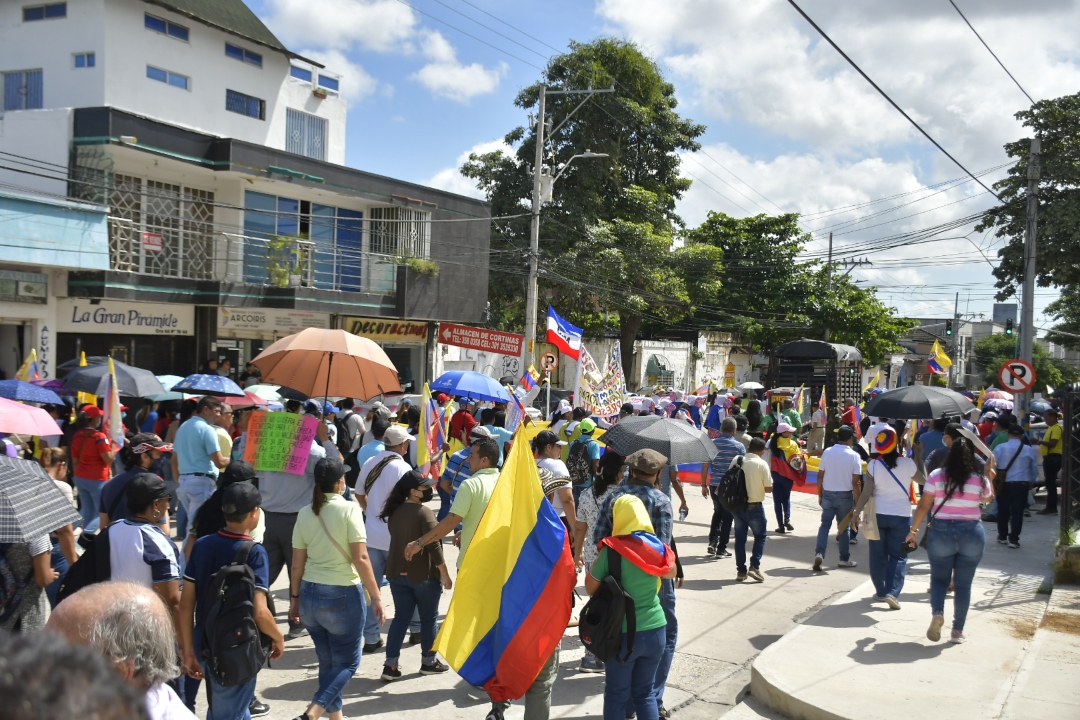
891 101
991 52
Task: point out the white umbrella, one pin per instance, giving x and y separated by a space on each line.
751 386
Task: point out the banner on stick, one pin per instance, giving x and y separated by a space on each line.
280 442
601 393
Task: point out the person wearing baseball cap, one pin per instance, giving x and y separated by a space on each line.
211 517
92 454
138 456
547 451
457 471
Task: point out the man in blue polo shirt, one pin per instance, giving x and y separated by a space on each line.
728 448
197 457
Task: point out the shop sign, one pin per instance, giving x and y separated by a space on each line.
389 331
153 242
24 287
124 318
474 338
283 322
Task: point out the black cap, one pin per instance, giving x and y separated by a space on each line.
144 489
238 471
545 438
845 433
329 470
240 499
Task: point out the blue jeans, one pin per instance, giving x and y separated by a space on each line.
89 502
888 565
372 634
334 617
192 492
634 679
781 498
228 703
409 599
60 565
835 504
671 637
955 548
752 518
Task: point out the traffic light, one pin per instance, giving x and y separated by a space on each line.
948 328
1009 327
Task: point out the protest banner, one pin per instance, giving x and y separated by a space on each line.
279 441
601 393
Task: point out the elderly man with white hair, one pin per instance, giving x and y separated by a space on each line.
130 625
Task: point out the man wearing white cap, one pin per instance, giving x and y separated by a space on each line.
377 479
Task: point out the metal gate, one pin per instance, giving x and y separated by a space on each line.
1069 478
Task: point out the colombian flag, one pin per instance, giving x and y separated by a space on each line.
938 362
528 380
28 371
432 432
512 600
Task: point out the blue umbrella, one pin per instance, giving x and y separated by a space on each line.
468 383
1037 406
19 390
208 385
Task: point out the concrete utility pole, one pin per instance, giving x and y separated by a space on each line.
534 237
828 271
955 338
1027 321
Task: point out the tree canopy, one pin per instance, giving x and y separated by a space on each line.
992 352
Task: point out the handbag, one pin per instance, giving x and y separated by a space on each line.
926 532
869 525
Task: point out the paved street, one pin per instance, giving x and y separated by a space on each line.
723 626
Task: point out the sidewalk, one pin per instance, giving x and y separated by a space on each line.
860 660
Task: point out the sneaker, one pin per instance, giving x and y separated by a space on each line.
494 714
892 602
756 574
933 633
296 631
433 668
711 550
722 553
818 559
853 541
390 673
415 638
1014 545
957 638
847 564
789 526
780 530
372 647
741 577
1047 512
258 709
589 664
1027 513
877 598
1002 540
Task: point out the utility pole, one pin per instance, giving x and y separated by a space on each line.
828 272
534 237
1027 322
955 337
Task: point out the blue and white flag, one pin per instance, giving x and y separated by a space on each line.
563 335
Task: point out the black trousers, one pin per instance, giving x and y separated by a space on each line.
1051 468
1010 512
720 528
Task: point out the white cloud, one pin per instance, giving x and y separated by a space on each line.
448 78
356 83
377 25
451 179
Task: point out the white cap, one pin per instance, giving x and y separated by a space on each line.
395 435
564 407
784 427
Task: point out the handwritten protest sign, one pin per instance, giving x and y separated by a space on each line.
601 394
280 441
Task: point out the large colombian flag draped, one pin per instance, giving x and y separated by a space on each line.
512 598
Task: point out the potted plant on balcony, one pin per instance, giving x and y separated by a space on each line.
285 265
320 93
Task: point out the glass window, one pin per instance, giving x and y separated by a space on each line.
157 74
234 52
328 82
178 31
178 81
156 24
288 220
84 60
170 78
165 27
305 134
56 10
23 90
45 12
239 53
300 73
245 104
253 58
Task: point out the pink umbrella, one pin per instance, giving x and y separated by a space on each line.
26 420
248 400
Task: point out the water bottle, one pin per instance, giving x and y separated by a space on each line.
682 514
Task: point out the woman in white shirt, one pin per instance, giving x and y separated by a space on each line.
888 481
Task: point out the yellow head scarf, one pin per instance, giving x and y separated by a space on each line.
630 516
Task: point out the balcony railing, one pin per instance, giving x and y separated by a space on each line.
191 253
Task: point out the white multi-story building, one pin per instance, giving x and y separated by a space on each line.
217 154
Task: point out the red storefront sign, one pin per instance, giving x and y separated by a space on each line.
494 341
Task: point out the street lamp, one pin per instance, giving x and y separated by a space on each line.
547 182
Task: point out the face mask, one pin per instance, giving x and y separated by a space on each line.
428 493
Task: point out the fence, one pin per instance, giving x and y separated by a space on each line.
1069 477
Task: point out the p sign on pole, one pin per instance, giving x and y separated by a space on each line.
1017 376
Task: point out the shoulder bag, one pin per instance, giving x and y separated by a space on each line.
926 532
1001 475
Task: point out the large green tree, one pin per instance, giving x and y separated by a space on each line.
992 352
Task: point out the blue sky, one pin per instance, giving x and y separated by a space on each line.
785 115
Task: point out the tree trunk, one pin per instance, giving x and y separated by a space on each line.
628 330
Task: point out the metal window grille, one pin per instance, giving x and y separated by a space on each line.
24 90
305 134
245 104
401 231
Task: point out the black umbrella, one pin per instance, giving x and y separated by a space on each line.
30 503
918 402
679 441
290 394
132 381
90 360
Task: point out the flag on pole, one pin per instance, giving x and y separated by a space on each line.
85 398
432 434
113 423
528 380
563 335
873 381
858 421
938 362
512 597
821 400
797 400
982 398
515 413
28 371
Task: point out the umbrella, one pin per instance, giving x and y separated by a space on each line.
918 402
996 404
19 390
91 360
998 395
269 393
209 385
468 383
751 386
317 361
169 381
132 381
680 442
30 504
1040 406
248 400
290 394
26 420
53 384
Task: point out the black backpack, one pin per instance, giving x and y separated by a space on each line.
92 567
601 620
732 489
578 463
344 439
232 645
11 585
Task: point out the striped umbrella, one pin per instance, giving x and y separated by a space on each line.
30 504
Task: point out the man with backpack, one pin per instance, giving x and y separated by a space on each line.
223 612
583 459
728 448
758 479
350 428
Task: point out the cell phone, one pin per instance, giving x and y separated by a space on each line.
908 547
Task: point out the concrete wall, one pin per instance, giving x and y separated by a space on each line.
42 136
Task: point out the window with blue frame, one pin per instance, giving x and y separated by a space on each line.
169 78
300 73
166 27
85 60
243 55
50 11
23 90
330 83
242 104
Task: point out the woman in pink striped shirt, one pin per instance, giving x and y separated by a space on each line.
955 539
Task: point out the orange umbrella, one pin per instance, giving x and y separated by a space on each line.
320 362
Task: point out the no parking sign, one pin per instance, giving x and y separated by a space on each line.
1017 376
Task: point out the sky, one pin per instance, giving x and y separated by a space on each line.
791 126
